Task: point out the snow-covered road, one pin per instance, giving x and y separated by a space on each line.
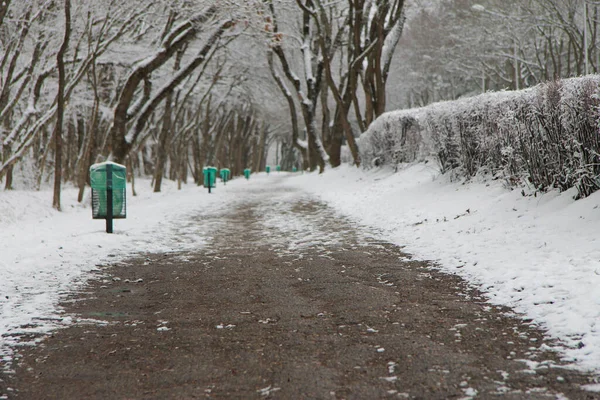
536 254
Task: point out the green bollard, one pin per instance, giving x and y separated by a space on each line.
247 173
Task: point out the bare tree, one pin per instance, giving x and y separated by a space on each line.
177 38
301 146
307 92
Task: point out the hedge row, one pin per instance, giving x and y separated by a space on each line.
547 136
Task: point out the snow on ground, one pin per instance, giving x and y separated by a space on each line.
45 253
539 255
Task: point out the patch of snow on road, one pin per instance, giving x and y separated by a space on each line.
595 387
297 232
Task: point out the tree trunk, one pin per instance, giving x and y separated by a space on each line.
60 110
70 143
9 178
7 150
260 149
197 170
3 10
163 144
335 146
131 175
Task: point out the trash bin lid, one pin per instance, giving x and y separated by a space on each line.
98 175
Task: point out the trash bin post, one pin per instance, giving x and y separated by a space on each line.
109 199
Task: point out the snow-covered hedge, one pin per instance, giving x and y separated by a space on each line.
547 135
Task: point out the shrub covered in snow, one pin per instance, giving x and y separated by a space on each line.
547 136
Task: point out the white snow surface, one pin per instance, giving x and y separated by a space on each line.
539 254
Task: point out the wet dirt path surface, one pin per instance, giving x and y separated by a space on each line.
289 301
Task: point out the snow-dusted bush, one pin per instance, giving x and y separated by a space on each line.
392 138
546 136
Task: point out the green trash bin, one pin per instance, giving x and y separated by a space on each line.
109 186
210 178
268 169
247 172
294 169
278 168
225 175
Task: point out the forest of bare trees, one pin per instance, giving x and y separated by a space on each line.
457 48
148 84
169 87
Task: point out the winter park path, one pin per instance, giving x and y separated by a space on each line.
288 301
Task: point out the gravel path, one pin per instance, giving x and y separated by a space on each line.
289 301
